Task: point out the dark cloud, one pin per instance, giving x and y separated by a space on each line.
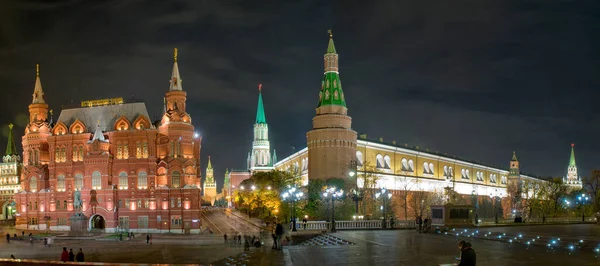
476 79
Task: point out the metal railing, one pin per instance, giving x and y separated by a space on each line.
354 225
573 219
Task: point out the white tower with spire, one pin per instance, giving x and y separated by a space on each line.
210 186
260 158
572 180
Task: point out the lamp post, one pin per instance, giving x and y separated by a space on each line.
582 200
494 195
356 195
385 195
293 195
333 194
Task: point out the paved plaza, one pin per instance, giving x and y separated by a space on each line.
407 247
515 245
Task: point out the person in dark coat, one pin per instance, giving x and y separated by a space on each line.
79 256
467 255
64 256
7 237
71 255
279 233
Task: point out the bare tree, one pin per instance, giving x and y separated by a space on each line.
406 185
369 175
592 183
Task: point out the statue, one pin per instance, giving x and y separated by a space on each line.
77 203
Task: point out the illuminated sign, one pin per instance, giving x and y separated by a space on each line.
102 102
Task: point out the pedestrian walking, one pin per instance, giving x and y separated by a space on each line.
279 234
64 256
239 239
71 255
147 239
22 234
304 221
79 256
419 224
45 242
12 257
7 238
225 238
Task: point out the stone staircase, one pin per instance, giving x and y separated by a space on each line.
325 240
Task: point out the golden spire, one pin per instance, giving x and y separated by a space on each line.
175 54
330 33
37 70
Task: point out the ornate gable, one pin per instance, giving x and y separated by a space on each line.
141 122
77 127
122 123
60 129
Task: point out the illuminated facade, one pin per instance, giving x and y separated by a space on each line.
10 171
210 186
132 175
573 180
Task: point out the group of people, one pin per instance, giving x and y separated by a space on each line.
70 256
15 237
277 234
236 239
423 226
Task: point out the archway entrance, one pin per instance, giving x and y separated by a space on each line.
8 209
97 223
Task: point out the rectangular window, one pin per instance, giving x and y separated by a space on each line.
145 149
125 151
119 151
62 221
138 150
172 203
179 202
65 205
142 222
124 222
176 221
33 221
127 203
139 203
146 203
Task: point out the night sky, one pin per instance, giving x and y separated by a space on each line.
476 79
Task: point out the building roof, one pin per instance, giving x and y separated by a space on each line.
104 116
331 87
176 82
331 46
11 148
572 159
260 110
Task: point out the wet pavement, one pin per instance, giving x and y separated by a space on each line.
407 247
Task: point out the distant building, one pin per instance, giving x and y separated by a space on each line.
572 179
10 171
132 175
210 186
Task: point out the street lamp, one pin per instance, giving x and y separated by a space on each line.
494 195
385 195
293 195
333 194
582 200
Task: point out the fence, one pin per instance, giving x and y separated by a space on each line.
354 224
555 220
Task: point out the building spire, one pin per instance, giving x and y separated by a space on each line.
514 157
38 93
98 135
260 110
572 159
11 149
175 77
209 164
331 87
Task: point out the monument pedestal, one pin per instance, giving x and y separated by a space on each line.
79 224
452 215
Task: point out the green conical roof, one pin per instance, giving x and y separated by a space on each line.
572 160
331 46
260 110
514 158
331 86
209 164
11 149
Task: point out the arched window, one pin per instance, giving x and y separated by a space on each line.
404 164
450 172
387 162
425 168
431 171
446 174
142 180
96 180
359 158
503 179
380 162
60 183
411 166
123 180
33 184
78 181
467 175
175 179
463 173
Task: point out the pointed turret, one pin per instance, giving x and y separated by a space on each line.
514 157
260 110
209 164
11 148
274 160
572 159
98 135
38 93
331 87
175 77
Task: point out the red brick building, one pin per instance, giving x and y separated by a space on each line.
132 174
